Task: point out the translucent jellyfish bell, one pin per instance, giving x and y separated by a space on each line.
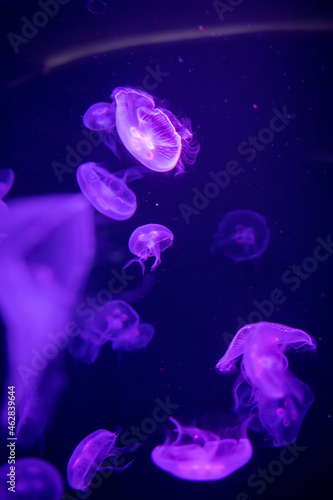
88 456
6 181
149 241
280 335
207 457
34 478
241 235
107 192
154 136
134 339
100 116
117 318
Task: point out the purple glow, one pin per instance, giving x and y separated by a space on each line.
89 454
154 136
6 181
43 263
241 235
117 318
100 116
149 241
281 399
107 192
36 479
207 457
136 338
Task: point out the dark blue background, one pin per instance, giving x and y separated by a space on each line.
196 298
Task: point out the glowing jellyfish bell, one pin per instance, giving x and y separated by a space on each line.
241 235
114 319
107 192
134 339
34 478
207 457
88 456
100 116
149 241
154 136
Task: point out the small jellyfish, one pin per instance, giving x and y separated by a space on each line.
207 457
154 136
241 235
100 116
107 192
117 318
96 6
88 456
134 339
149 241
33 479
6 181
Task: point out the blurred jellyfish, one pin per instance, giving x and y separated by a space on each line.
6 181
282 401
44 262
33 479
100 116
134 339
115 318
149 241
107 192
96 6
241 235
206 457
87 346
154 136
88 456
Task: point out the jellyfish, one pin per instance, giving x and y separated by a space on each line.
44 262
88 456
107 192
6 181
134 339
149 241
206 457
153 135
241 235
31 479
282 400
116 318
96 6
100 116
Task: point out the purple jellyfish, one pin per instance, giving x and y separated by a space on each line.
241 235
117 318
100 116
136 338
282 400
107 192
154 136
6 181
207 457
88 456
44 261
149 241
31 478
